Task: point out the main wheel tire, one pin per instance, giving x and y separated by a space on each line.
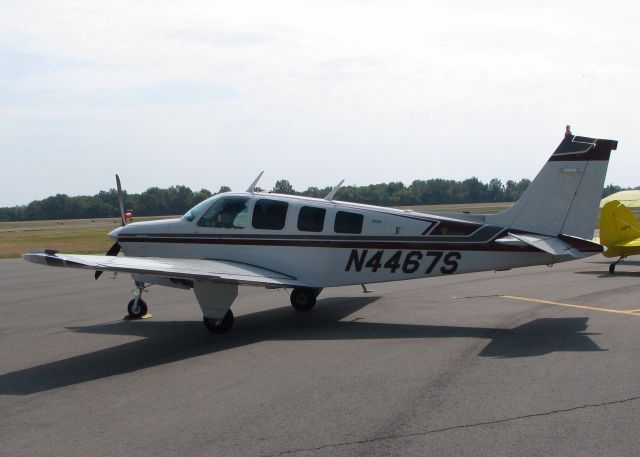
217 325
136 311
612 268
303 299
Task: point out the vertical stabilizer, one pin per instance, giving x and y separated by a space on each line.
564 197
617 224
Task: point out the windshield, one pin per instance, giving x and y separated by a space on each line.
197 210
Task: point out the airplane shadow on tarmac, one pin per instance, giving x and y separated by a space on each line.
605 274
166 342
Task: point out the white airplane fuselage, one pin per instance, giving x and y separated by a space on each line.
393 244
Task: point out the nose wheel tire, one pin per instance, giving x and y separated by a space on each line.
136 310
219 325
303 299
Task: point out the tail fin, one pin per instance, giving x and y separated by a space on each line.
617 224
564 197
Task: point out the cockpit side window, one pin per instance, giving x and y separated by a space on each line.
227 212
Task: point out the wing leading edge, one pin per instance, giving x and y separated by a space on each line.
221 271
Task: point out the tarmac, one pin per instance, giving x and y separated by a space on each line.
536 361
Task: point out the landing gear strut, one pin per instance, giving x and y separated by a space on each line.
304 299
219 325
612 267
137 306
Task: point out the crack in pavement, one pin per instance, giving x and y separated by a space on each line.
454 427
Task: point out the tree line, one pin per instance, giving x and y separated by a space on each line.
178 199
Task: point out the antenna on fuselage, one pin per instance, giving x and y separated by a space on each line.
252 187
333 192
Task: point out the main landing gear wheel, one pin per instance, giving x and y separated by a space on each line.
304 299
219 325
612 267
136 310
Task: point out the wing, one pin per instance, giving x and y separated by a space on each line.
211 270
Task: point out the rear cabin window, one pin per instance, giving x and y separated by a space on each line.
348 222
311 219
227 212
269 214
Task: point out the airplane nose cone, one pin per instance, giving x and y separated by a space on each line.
113 234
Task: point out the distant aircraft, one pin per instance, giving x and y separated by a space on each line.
629 198
307 244
619 232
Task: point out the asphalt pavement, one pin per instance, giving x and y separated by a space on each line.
531 362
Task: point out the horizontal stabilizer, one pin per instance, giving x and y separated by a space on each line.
562 245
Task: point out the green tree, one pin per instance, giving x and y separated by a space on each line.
178 199
201 195
495 190
283 187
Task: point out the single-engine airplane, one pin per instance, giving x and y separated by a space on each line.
306 244
619 232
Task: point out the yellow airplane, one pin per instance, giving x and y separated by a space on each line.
619 232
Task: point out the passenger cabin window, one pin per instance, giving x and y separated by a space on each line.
269 214
348 222
311 219
454 228
227 212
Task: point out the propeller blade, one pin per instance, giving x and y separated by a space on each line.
120 200
113 251
115 248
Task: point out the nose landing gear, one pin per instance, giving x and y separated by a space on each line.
137 307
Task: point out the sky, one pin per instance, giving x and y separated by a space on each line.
210 93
